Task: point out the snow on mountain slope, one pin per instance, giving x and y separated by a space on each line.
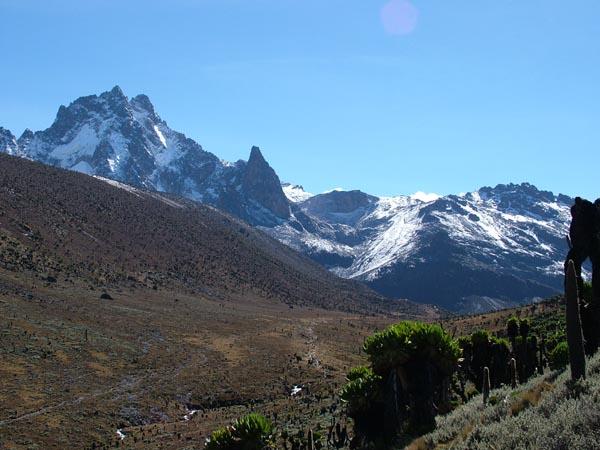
110 136
486 249
295 193
8 142
491 248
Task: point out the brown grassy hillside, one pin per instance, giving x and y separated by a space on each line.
67 226
200 318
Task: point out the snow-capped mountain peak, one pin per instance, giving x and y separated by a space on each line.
8 142
494 246
508 240
295 192
110 136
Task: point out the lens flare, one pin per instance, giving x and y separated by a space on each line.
399 17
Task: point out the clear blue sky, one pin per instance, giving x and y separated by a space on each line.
384 96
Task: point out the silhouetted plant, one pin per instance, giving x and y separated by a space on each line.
559 356
486 385
411 363
574 333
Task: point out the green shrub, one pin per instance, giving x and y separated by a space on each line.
251 432
405 341
362 390
559 356
221 439
359 372
524 327
512 327
480 337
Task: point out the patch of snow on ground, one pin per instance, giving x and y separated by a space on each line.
296 390
165 200
123 186
190 413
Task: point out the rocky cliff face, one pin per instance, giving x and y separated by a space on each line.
8 142
125 140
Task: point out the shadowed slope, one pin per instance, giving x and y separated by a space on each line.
64 225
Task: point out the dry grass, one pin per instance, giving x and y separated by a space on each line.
149 359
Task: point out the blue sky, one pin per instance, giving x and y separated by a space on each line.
386 96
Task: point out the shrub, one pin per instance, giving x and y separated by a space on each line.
402 342
362 390
221 439
251 432
409 375
559 356
512 327
524 327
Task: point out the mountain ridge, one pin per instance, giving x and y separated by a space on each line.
494 247
63 225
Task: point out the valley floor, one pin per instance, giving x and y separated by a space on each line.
161 369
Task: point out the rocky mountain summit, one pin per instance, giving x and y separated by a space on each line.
487 249
125 140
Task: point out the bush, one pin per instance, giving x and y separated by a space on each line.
221 439
251 432
559 356
512 327
408 381
399 343
362 391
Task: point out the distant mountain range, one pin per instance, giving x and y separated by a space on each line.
488 249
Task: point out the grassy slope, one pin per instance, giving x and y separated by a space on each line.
548 412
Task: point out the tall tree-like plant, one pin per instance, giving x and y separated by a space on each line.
574 333
512 330
417 357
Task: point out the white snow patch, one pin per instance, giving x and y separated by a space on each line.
120 185
295 193
425 197
394 243
83 144
189 414
161 137
296 390
165 200
120 434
